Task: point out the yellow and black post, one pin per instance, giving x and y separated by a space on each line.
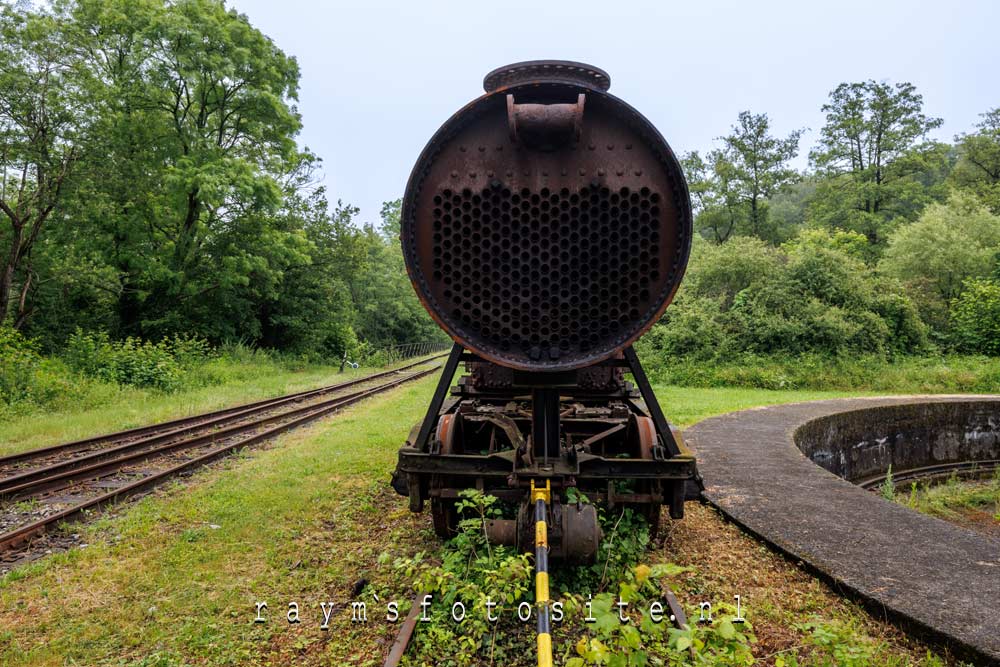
541 498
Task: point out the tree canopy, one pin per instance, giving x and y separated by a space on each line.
153 184
872 152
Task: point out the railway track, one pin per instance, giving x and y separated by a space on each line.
51 485
964 469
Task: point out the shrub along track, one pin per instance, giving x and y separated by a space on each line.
48 486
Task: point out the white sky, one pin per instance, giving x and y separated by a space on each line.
378 78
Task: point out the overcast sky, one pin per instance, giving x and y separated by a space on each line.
379 78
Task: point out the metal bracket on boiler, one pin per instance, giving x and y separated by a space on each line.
652 405
440 393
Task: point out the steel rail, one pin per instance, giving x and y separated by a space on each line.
24 533
185 424
28 479
43 478
937 470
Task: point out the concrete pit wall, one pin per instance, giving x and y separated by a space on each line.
860 445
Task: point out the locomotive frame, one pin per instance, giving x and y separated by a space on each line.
587 429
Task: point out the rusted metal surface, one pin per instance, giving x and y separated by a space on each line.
547 71
580 532
547 224
405 633
502 531
545 127
597 378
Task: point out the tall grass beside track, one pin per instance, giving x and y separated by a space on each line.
218 383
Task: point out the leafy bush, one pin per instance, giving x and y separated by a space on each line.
188 351
471 572
810 296
975 318
29 381
609 641
950 244
134 362
18 362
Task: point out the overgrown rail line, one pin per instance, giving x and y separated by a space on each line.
203 419
964 469
71 478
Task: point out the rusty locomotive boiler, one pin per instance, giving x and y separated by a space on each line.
545 227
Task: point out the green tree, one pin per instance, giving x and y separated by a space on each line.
872 157
44 113
950 244
759 167
388 309
731 186
714 194
978 167
198 130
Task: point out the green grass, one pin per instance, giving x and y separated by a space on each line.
687 405
221 383
956 500
173 579
161 578
812 372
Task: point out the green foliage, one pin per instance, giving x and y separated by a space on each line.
852 244
162 190
471 573
731 190
975 318
956 499
810 296
838 643
950 244
875 165
388 310
644 641
887 489
29 381
626 540
978 167
45 114
18 361
133 362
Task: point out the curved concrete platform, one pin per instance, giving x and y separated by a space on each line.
928 575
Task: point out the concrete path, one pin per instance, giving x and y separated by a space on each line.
928 575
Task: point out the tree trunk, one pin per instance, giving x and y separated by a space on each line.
10 266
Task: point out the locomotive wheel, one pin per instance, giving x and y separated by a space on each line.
449 433
646 432
443 513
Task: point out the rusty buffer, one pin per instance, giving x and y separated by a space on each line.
547 224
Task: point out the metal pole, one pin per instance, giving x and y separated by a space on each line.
541 498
